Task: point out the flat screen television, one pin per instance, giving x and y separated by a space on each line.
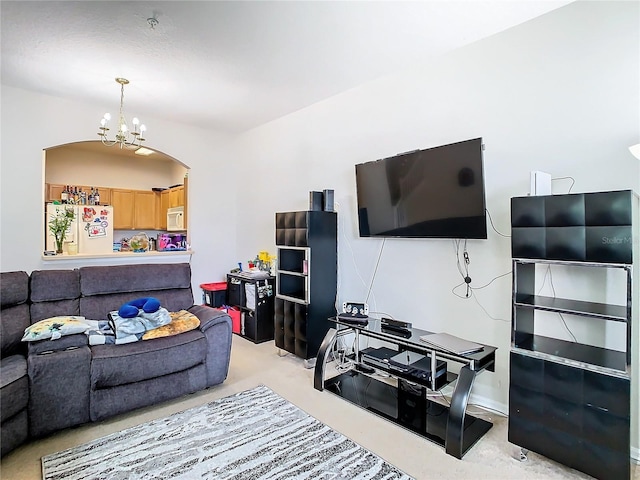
432 193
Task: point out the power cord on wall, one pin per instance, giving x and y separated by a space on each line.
370 293
573 181
463 269
553 289
493 226
375 270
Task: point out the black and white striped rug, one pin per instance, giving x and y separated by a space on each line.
254 434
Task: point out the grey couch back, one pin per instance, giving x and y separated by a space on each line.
14 311
53 293
104 289
93 292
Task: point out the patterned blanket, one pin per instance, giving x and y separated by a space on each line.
102 332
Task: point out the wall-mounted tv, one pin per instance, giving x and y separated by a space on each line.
432 193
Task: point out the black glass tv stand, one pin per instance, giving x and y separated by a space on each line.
404 400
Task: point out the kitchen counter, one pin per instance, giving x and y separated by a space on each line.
120 258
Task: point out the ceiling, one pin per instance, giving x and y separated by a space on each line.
232 65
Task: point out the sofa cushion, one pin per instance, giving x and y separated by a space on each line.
114 365
97 307
15 288
107 402
42 310
134 278
13 321
14 386
53 293
53 285
14 293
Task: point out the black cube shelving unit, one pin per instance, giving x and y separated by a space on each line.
306 280
570 401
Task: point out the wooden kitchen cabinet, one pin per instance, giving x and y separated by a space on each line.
176 196
162 211
144 217
105 193
123 208
53 192
134 209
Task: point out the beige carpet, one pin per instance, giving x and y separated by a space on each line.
493 457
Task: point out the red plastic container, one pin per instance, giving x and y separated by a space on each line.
214 294
235 315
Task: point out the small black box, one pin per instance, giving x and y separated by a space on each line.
328 200
315 200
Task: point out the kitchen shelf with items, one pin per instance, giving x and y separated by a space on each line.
306 278
570 400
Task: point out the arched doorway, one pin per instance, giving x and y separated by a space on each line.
140 188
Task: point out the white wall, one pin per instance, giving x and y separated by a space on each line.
74 166
33 122
558 94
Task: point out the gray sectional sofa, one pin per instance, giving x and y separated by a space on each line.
68 382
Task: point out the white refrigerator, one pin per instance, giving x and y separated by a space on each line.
92 229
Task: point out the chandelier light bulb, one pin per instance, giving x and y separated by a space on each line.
143 128
135 121
103 122
107 116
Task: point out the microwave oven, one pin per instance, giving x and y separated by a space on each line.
175 219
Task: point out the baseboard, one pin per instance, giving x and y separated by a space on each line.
485 402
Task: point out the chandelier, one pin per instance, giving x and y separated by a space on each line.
125 137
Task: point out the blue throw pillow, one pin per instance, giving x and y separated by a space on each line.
131 309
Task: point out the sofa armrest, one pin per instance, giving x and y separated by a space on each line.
209 316
68 342
216 327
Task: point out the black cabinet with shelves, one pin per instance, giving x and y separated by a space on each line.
254 297
306 279
570 400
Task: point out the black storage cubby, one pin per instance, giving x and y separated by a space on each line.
306 279
570 401
572 415
586 227
257 319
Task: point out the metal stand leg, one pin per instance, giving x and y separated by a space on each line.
310 363
321 359
523 454
457 411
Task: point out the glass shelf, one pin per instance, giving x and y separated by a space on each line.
612 360
605 311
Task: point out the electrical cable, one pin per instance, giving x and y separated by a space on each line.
464 273
375 271
492 280
353 258
573 181
553 289
492 226
463 270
